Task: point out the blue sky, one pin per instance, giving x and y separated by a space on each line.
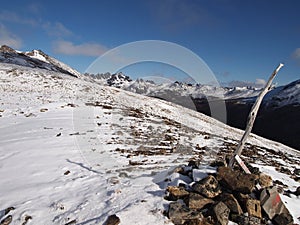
241 41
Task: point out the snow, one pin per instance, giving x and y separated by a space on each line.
38 147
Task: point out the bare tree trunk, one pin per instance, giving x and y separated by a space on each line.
252 115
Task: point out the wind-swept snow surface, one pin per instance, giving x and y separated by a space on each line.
75 152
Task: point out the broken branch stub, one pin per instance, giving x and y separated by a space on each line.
252 115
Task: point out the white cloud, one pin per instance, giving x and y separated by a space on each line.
56 29
259 83
87 49
7 38
296 54
15 18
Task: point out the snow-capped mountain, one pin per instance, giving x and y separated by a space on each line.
74 152
35 59
284 95
150 88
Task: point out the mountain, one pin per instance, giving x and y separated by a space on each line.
150 88
35 59
74 152
272 121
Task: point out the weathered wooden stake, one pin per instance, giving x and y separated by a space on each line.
252 115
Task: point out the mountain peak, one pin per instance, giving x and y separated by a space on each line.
7 49
35 59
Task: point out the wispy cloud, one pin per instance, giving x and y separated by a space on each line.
86 49
56 29
8 38
259 83
8 16
296 55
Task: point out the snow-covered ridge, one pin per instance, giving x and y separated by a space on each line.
35 59
284 95
278 97
150 88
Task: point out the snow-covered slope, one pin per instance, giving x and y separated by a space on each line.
40 55
35 59
284 95
74 152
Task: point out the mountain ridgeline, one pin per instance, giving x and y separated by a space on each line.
277 119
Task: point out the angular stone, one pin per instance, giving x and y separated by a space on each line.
197 201
112 220
175 193
297 192
221 213
283 219
200 221
180 213
209 187
265 180
247 220
7 220
253 208
230 201
236 180
271 202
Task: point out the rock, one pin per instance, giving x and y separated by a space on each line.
236 180
175 193
283 219
7 220
180 213
27 218
230 201
221 213
253 208
297 192
247 220
197 201
265 180
194 163
7 210
208 187
43 110
297 172
200 221
112 220
203 172
271 203
71 222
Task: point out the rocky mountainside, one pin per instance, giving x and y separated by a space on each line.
35 59
76 152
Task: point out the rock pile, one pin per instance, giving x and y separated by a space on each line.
223 196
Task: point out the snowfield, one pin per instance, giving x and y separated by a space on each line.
74 152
